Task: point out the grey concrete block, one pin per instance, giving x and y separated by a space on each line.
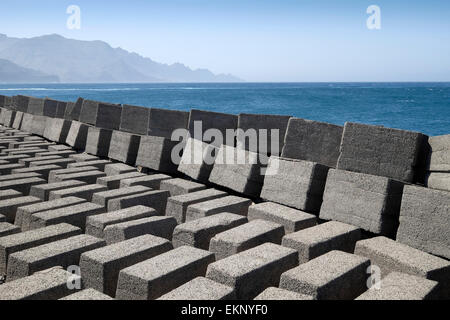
87 295
402 286
8 207
84 157
244 237
198 233
8 117
154 199
43 171
198 159
42 107
100 164
77 136
425 220
24 214
391 256
2 218
156 153
238 170
98 141
63 163
380 151
84 192
177 205
163 122
295 183
88 177
95 225
438 180
73 110
200 288
158 226
64 253
179 186
24 151
7 229
54 173
9 194
439 156
152 181
115 169
38 125
57 130
27 161
46 285
17 120
20 103
58 147
101 115
102 198
113 182
147 280
7 168
13 159
135 119
316 241
61 107
100 268
29 239
273 293
252 271
124 147
63 154
336 275
366 201
231 204
291 219
75 215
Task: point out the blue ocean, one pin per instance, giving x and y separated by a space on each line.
423 107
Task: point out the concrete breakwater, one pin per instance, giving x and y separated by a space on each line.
95 185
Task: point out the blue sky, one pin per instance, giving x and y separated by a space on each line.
260 40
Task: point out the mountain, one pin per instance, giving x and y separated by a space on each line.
96 61
12 73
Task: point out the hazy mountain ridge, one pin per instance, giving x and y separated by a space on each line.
96 61
12 73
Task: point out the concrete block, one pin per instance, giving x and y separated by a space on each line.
380 151
163 122
124 147
24 214
26 161
29 239
198 233
391 256
179 186
20 103
147 280
425 220
7 168
46 285
84 192
102 198
75 215
9 194
7 229
152 181
295 183
238 170
77 136
73 110
369 202
43 171
57 130
2 218
231 204
8 117
8 207
61 107
273 293
198 160
115 169
87 295
95 225
100 164
177 205
17 120
100 268
54 173
439 156
38 125
319 240
13 159
156 153
24 151
438 180
158 226
252 271
135 119
154 199
200 288
402 286
335 275
64 253
98 141
58 147
42 107
63 163
291 219
84 157
89 177
62 154
113 182
101 115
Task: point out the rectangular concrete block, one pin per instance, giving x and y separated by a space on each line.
198 233
252 271
135 119
380 151
295 183
42 107
38 125
163 122
99 164
61 109
2 218
156 153
146 280
115 169
77 136
113 182
84 157
152 181
316 241
100 267
7 229
43 171
9 194
20 103
439 155
58 147
75 215
101 115
177 205
180 186
8 117
7 168
244 237
95 225
57 130
291 219
273 293
158 226
84 192
87 295
63 154
124 147
324 277
198 159
438 180
27 161
13 159
231 204
200 288
88 177
154 199
365 201
98 141
29 239
8 207
73 110
102 198
63 163
24 151
17 120
24 214
52 176
64 253
425 220
46 285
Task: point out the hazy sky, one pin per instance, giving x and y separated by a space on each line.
260 40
